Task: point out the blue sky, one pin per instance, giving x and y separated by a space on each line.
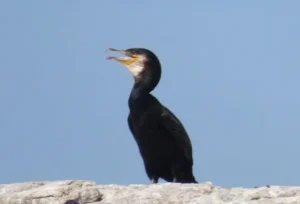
230 73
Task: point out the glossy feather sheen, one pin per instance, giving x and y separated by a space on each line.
162 140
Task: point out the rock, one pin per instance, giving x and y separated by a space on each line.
87 192
57 192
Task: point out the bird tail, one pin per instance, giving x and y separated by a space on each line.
183 172
185 177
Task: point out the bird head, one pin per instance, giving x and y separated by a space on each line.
139 61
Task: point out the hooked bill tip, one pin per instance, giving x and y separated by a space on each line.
109 49
113 49
110 58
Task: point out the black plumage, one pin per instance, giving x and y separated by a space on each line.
162 140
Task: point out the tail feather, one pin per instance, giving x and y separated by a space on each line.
183 173
185 178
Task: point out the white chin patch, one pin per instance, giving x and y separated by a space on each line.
136 69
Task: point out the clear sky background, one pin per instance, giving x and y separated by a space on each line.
230 73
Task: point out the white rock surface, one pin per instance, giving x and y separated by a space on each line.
58 192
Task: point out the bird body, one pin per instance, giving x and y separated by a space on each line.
162 139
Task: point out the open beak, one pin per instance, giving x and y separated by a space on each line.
119 51
127 60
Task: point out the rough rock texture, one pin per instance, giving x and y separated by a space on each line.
49 192
84 192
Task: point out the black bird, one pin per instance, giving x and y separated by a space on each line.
162 140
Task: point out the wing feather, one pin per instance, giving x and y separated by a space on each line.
172 124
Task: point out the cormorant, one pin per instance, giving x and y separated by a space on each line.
162 140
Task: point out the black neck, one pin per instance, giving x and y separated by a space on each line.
144 84
140 92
